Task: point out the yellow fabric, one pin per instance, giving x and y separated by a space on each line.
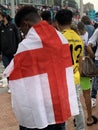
77 50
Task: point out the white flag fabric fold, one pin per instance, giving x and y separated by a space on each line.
41 79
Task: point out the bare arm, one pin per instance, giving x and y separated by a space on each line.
90 51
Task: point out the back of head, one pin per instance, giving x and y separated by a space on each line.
64 17
27 13
86 20
74 27
46 15
81 28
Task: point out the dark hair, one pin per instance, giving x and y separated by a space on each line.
81 28
86 20
81 25
46 15
2 14
28 13
64 17
96 25
6 16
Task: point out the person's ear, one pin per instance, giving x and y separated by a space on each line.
24 27
28 24
25 24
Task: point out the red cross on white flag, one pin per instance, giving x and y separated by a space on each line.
41 79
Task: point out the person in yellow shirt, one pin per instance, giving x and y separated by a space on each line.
64 21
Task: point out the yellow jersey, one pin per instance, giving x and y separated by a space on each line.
77 50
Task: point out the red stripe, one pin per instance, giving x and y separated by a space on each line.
57 78
52 59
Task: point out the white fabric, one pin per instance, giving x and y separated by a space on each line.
93 40
31 109
27 43
85 38
71 91
62 38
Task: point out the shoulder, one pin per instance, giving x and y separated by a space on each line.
62 37
23 46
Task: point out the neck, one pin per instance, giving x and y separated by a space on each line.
5 22
33 23
64 27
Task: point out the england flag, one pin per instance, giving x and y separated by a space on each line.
41 79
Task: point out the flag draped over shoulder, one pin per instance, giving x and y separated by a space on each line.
41 79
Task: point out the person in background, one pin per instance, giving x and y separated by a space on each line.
64 21
89 28
46 15
41 75
85 81
96 25
88 25
9 39
74 27
91 43
92 49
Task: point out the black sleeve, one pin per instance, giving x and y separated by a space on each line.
17 34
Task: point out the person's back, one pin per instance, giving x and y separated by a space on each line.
76 47
90 29
88 26
46 15
64 21
41 75
85 81
93 41
84 35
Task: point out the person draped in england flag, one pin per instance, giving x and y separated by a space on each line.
41 75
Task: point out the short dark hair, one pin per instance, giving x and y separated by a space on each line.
81 26
86 20
28 13
46 15
64 16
